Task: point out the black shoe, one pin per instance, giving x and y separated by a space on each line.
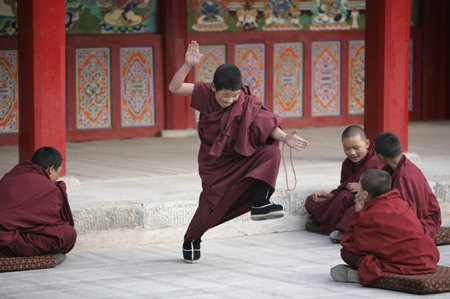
313 223
269 211
191 251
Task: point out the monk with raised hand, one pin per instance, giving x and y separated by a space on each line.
333 210
239 154
410 181
384 236
35 216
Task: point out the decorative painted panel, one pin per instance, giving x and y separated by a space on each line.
275 15
93 88
9 100
326 78
288 79
411 76
250 59
137 88
213 56
356 77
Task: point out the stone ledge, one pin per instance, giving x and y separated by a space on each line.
178 133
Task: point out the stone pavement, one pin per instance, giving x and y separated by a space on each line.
283 265
142 191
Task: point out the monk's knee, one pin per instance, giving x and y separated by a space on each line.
69 239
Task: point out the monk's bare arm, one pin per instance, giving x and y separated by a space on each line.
292 140
192 58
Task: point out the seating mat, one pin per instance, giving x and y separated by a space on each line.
9 264
431 283
318 230
443 236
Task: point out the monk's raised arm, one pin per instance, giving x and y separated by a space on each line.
192 58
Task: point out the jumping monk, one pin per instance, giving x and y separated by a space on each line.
239 154
384 236
333 210
35 216
409 181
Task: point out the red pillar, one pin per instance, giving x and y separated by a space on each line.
42 76
386 73
175 45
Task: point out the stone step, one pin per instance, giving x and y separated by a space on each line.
133 223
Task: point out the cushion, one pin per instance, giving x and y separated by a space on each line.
443 236
8 264
431 283
318 230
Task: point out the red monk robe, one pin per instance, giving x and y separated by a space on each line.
330 212
390 240
414 188
35 216
235 150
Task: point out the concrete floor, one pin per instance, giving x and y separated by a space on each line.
284 265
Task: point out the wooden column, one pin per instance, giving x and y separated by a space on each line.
386 71
42 77
174 29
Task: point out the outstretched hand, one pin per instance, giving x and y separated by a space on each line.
193 56
295 142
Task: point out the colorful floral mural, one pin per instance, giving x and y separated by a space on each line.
288 79
326 78
137 87
93 88
356 76
9 101
250 59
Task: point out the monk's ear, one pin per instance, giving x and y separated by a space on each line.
366 195
213 87
367 143
49 170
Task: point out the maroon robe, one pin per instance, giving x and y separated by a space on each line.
414 188
236 148
336 211
389 239
35 216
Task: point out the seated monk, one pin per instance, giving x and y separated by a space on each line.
409 181
35 216
333 210
384 236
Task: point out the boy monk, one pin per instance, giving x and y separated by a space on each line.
35 216
333 210
384 235
239 155
409 181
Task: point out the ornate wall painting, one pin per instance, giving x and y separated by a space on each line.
213 56
331 15
9 100
356 77
93 84
326 78
288 79
411 76
110 16
207 15
137 87
250 59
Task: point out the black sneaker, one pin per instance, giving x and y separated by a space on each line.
313 223
269 211
191 251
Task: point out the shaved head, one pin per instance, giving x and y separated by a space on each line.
354 131
376 182
388 144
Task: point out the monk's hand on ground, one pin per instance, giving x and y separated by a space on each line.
193 56
295 142
359 203
321 196
353 187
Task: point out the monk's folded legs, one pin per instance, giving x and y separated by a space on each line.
350 258
37 243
